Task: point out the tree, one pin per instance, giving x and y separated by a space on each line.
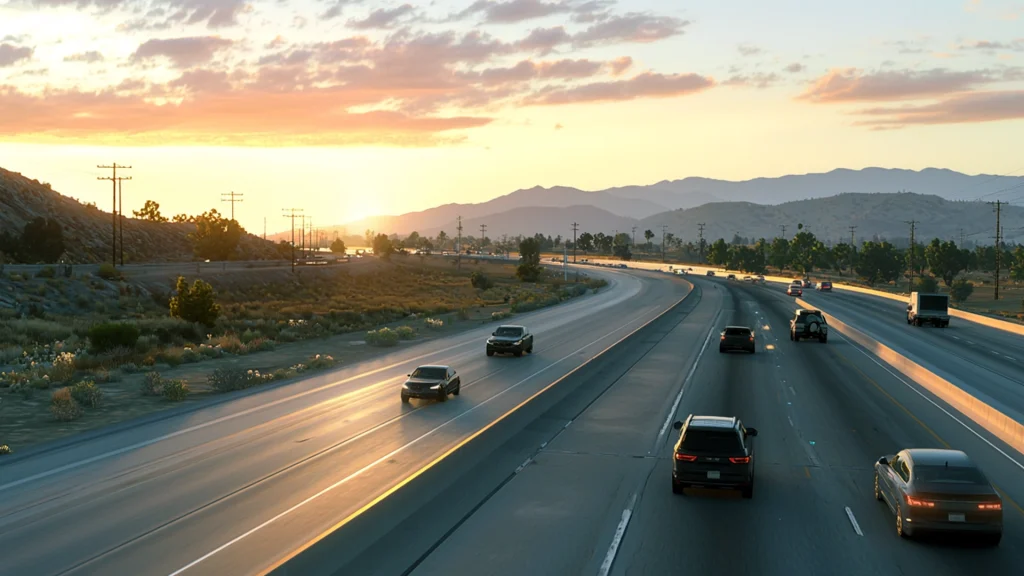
42 240
719 253
338 246
1017 268
919 259
778 253
620 246
442 237
945 260
648 235
668 241
926 283
215 237
842 255
195 303
804 252
413 240
529 269
879 262
961 290
150 211
382 246
182 218
585 242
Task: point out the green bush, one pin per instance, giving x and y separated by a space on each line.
229 379
46 272
172 357
261 345
961 290
499 315
146 343
152 384
321 362
405 332
107 271
480 281
40 383
63 368
195 303
385 337
109 335
190 356
926 284
175 390
63 406
87 393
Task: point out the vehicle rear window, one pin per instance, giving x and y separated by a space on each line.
808 318
737 331
933 303
828 284
509 331
712 441
430 373
950 475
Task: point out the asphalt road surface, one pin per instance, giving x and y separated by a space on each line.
232 488
987 362
594 495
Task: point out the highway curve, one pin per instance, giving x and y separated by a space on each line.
234 487
585 488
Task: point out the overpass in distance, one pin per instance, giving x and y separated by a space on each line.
554 463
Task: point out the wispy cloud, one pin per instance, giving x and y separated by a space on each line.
647 85
961 109
1016 45
634 27
88 57
11 54
383 18
853 85
754 80
182 52
748 50
795 67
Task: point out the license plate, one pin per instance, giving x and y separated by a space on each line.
715 475
957 518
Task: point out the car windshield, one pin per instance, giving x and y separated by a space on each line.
737 331
712 441
948 475
508 331
429 372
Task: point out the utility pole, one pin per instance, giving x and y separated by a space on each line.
663 228
999 243
961 246
700 243
120 215
483 234
853 237
292 213
113 217
783 226
913 225
458 251
634 236
231 197
575 228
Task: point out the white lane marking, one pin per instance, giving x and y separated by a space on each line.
955 337
431 432
853 520
566 424
523 465
792 390
790 421
994 352
679 397
933 403
969 342
543 444
1005 356
620 531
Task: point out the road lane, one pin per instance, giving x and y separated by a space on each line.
214 475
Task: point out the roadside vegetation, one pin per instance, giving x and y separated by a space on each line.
84 351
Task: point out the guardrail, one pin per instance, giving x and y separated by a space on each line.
1002 426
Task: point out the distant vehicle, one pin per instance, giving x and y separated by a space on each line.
825 287
760 279
928 309
713 452
585 261
939 490
444 253
360 253
431 382
680 272
807 323
748 279
736 338
795 289
510 339
730 277
711 273
622 266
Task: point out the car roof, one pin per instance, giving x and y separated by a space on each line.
434 366
712 421
738 327
939 457
808 311
511 326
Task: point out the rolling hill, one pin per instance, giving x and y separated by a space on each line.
87 229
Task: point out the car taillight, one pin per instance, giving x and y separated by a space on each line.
995 506
723 336
740 460
751 337
685 457
918 502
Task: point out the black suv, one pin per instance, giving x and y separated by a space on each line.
714 452
736 338
510 340
807 323
431 382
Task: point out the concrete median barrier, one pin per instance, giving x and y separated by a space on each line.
1002 426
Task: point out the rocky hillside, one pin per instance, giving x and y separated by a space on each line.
87 229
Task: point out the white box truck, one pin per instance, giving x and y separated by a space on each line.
927 308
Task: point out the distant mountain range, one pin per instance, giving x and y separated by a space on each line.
551 211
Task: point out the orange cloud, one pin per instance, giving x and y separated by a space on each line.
647 85
961 109
852 85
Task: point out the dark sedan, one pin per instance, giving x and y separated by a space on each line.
435 382
713 452
938 490
737 338
510 340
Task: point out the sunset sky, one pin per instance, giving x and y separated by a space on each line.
349 108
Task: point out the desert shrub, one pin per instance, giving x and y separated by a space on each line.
87 393
63 368
172 357
175 390
5 449
229 343
63 406
926 284
102 376
11 378
109 335
146 343
384 337
961 290
228 379
107 271
171 330
405 332
28 330
24 388
262 345
195 303
152 384
129 368
46 272
41 383
499 315
434 323
480 281
321 362
190 356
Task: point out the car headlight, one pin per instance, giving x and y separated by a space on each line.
518 342
435 387
405 385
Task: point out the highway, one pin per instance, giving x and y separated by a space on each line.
232 488
584 489
987 362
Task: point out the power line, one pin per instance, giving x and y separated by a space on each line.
999 244
783 226
458 251
113 217
663 228
853 236
231 197
913 225
292 213
575 229
483 234
700 243
634 236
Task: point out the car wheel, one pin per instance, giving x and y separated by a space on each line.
899 523
405 399
878 491
458 389
530 350
823 339
721 350
677 488
442 395
748 492
753 350
993 540
490 352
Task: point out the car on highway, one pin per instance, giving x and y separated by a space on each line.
760 279
713 452
509 339
825 287
680 272
737 338
432 381
941 491
730 277
748 279
711 273
795 289
808 323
